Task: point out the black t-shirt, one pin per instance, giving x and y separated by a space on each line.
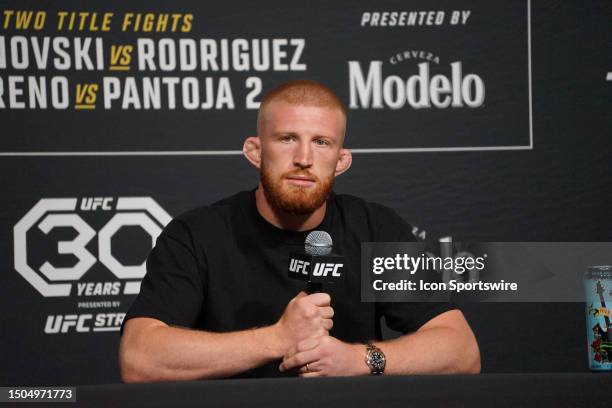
223 268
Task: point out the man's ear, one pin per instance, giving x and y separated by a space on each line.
252 150
344 161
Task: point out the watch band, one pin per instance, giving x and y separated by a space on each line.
375 359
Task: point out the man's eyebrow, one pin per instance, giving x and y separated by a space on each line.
284 134
289 133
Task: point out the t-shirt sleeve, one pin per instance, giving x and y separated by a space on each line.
172 290
404 317
408 317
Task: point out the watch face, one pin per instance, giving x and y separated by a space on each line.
377 360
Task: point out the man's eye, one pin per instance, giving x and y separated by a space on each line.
286 138
321 142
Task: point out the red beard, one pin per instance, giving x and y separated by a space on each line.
295 200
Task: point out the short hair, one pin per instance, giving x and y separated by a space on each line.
302 92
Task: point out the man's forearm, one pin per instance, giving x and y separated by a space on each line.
443 345
164 353
438 350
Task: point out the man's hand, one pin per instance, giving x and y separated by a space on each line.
304 317
326 356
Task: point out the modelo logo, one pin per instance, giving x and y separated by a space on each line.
420 91
50 213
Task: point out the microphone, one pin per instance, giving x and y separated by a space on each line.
318 243
317 264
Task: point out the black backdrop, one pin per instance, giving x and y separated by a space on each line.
486 173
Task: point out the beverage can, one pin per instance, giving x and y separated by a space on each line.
598 297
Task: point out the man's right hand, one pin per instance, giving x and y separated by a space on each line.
151 350
304 317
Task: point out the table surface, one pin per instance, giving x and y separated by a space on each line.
490 390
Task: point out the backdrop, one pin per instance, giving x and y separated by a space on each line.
474 120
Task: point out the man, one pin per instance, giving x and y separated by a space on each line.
217 302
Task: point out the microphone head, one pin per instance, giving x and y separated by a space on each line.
318 243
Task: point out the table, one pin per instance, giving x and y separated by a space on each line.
484 390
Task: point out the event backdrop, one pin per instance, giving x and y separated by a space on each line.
475 120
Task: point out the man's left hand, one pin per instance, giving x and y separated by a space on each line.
326 356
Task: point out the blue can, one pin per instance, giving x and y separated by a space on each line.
598 296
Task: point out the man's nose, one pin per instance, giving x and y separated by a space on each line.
303 155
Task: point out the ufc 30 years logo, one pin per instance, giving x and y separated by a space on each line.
51 213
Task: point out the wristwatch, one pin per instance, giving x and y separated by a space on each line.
375 359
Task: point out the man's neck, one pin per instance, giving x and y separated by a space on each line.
285 220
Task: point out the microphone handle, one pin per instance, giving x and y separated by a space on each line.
314 287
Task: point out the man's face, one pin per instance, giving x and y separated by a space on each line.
300 148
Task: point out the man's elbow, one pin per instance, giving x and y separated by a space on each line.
130 371
471 358
131 376
137 360
132 367
135 365
466 351
473 367
141 370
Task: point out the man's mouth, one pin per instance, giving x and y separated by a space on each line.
303 181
